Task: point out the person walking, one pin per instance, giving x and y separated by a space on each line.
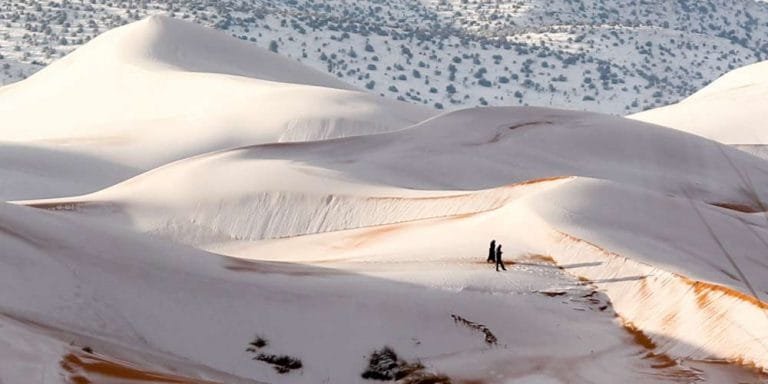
492 252
499 262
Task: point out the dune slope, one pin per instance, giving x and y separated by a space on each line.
729 110
280 190
625 205
192 209
161 89
329 318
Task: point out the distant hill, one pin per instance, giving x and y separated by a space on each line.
611 56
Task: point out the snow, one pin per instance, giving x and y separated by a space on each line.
730 110
235 203
329 185
160 90
383 187
610 56
31 350
211 308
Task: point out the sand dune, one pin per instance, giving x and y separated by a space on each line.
191 209
307 189
113 290
153 92
729 110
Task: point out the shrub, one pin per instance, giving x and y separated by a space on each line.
385 365
281 363
257 343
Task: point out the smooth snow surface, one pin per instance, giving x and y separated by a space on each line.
160 90
731 110
635 252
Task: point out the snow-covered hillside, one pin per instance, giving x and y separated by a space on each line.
609 55
377 204
182 207
232 194
162 89
129 291
731 110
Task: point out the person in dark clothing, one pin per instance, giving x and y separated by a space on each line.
492 252
499 262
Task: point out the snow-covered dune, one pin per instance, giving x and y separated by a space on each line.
32 350
634 203
244 197
131 293
691 275
280 190
666 263
164 43
161 89
31 170
392 246
731 110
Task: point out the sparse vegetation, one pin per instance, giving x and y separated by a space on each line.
281 363
385 365
490 338
257 343
428 46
